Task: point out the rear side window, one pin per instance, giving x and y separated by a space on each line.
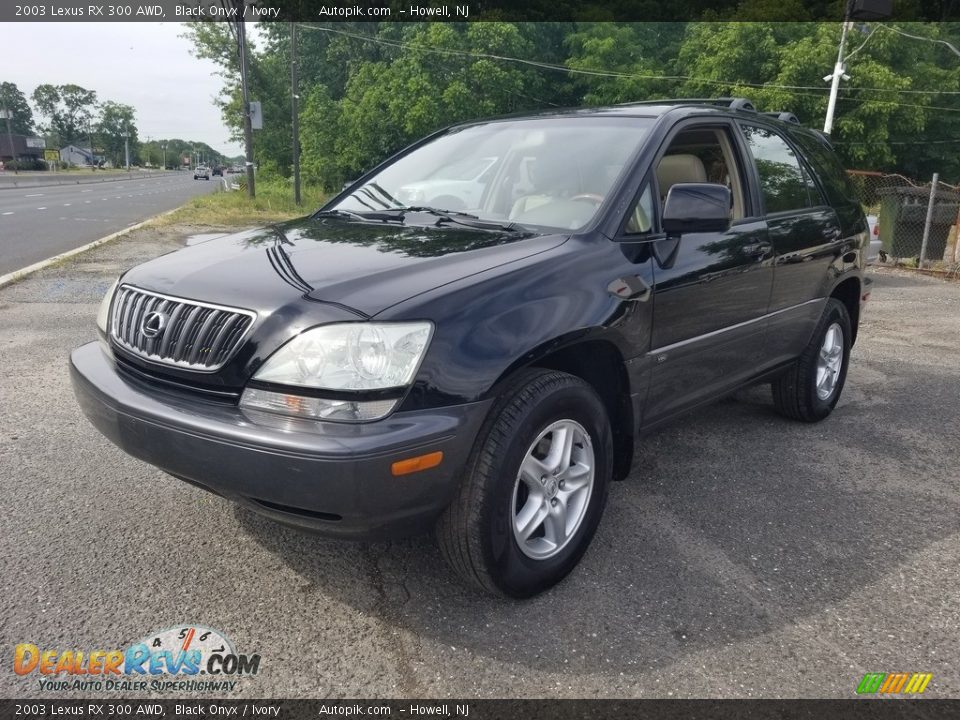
831 174
782 183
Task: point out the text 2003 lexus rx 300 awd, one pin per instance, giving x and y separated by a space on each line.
471 337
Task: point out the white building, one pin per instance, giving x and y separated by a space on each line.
76 155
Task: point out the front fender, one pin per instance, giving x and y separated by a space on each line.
505 319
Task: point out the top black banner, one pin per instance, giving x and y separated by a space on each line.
469 10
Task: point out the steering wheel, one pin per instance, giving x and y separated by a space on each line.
589 197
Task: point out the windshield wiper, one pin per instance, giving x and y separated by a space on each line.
353 215
399 214
456 217
432 211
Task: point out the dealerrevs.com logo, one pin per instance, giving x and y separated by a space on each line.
180 659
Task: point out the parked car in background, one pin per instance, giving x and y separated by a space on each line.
455 187
380 369
873 250
201 172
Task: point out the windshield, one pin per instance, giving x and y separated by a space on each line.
549 172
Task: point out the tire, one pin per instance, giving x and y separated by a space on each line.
477 533
795 393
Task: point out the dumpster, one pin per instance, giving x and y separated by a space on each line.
903 213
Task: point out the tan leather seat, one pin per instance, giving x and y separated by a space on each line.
682 168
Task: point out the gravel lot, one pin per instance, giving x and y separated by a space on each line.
746 556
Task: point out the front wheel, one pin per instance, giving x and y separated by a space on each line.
811 387
535 487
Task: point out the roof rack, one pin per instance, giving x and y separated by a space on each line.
787 117
727 102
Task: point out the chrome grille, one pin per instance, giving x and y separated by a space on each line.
192 335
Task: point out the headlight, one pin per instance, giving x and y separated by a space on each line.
103 314
348 357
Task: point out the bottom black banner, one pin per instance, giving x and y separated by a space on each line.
480 709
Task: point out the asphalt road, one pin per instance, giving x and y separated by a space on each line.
37 223
746 556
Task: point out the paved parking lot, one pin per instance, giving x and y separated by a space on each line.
746 556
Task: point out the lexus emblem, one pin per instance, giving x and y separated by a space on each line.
153 324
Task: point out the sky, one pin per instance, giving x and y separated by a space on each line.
145 65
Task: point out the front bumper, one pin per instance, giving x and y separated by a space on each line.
332 478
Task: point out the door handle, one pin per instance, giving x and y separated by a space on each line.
758 250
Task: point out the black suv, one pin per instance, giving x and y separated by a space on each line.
472 336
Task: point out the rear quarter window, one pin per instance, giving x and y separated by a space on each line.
830 172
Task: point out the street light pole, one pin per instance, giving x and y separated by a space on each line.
126 148
164 147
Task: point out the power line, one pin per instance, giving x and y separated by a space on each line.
877 101
490 56
616 74
860 47
897 30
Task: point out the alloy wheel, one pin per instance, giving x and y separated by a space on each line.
552 490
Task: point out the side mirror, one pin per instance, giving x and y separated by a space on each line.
347 184
697 207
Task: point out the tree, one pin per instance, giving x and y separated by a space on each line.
269 83
367 89
877 126
176 150
390 102
640 53
16 102
69 110
115 120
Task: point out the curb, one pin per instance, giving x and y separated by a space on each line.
20 274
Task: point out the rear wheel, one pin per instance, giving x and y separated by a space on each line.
810 389
535 487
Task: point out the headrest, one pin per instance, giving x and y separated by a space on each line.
682 168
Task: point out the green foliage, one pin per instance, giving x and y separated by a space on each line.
69 110
274 202
16 103
176 150
368 89
115 120
389 102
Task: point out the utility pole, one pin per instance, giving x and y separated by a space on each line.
247 127
853 10
295 111
164 147
838 73
126 148
13 155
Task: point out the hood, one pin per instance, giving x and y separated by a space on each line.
364 266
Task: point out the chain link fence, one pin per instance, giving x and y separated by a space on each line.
916 226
